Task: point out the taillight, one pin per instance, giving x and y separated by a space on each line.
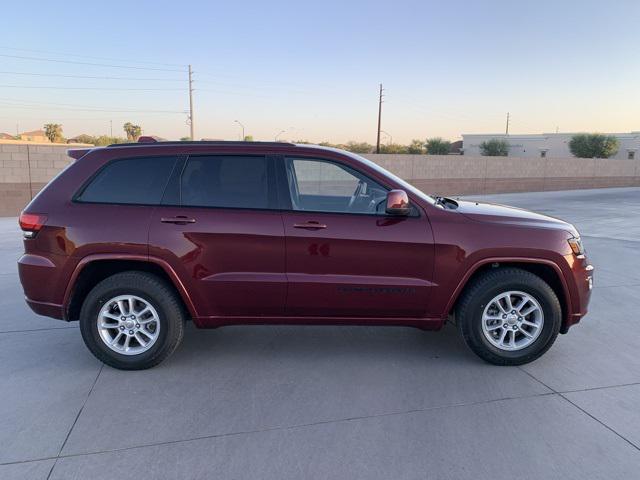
31 223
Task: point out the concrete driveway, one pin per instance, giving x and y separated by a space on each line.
337 402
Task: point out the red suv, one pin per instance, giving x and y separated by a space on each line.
134 239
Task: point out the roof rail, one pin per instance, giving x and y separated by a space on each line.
150 141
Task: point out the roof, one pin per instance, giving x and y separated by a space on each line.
35 133
200 142
6 136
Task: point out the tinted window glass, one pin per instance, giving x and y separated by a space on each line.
133 180
226 181
322 186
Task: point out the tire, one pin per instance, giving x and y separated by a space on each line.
163 322
514 285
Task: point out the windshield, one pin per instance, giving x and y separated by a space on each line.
406 185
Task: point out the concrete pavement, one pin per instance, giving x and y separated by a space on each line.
337 402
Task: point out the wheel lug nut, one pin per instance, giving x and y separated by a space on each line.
137 325
130 332
133 316
504 316
121 328
513 311
505 325
123 318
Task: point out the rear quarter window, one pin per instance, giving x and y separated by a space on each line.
138 181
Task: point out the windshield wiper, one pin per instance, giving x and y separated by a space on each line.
447 202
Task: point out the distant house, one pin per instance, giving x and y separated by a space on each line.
456 148
34 136
6 136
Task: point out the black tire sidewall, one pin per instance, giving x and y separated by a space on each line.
538 289
89 327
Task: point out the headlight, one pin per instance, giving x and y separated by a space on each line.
576 245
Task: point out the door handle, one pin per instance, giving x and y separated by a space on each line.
178 220
310 225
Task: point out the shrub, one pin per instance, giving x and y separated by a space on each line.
438 146
416 147
593 145
496 147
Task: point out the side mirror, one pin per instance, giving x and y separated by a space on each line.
398 203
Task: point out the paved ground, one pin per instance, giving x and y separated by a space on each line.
349 402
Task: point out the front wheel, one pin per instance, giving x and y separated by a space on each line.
132 320
509 316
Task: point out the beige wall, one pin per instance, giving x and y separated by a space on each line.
459 175
26 168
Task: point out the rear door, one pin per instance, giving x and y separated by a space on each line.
221 231
345 256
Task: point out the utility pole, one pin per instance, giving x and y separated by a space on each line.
506 132
379 119
111 127
191 104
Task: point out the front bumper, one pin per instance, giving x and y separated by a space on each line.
579 290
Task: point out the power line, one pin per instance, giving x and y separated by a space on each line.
50 87
89 63
96 77
67 54
17 105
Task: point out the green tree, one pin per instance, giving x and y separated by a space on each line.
133 131
248 138
185 139
416 147
53 131
496 147
593 145
393 148
84 138
104 140
438 146
327 144
358 147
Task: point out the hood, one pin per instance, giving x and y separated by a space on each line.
503 214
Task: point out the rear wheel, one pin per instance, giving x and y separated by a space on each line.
132 320
509 316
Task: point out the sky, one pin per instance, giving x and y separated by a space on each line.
313 69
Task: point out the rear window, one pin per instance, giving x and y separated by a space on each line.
226 181
138 181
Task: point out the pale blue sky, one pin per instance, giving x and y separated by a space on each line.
313 68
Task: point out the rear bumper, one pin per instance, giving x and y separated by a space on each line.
52 310
40 278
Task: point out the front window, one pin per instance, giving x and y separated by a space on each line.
324 186
403 184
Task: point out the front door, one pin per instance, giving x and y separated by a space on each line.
220 230
345 256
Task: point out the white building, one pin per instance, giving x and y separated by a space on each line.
548 144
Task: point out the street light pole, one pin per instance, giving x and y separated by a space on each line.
279 133
241 126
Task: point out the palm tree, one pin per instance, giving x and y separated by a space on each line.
53 131
133 131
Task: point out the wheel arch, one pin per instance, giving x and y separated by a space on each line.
547 270
95 268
